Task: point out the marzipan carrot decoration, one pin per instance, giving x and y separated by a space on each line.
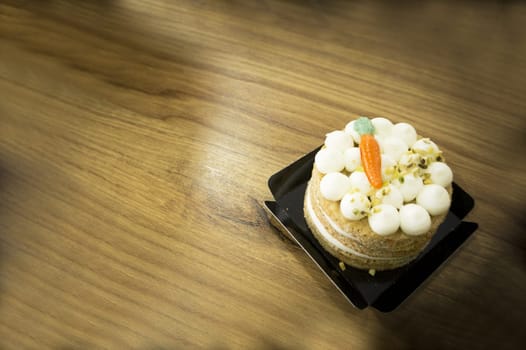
369 151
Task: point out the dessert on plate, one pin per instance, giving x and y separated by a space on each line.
377 194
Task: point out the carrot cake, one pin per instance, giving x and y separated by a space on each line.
377 194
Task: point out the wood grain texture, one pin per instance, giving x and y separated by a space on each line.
136 139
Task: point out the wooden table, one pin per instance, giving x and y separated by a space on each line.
137 137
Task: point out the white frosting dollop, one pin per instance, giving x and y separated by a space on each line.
414 219
352 158
384 219
406 132
334 186
349 129
425 147
382 126
338 140
359 181
410 186
440 174
355 206
392 196
434 198
394 147
329 160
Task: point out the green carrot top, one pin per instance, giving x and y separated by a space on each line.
363 126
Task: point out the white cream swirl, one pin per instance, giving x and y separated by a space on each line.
355 206
390 195
406 132
425 147
329 160
352 158
414 219
440 174
334 186
382 126
409 185
360 182
384 219
338 140
434 198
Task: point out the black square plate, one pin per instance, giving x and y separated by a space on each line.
386 289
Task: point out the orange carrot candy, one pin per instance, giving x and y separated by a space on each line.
369 151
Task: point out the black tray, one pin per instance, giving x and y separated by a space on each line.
386 289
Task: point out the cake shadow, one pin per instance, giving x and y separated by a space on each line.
441 314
